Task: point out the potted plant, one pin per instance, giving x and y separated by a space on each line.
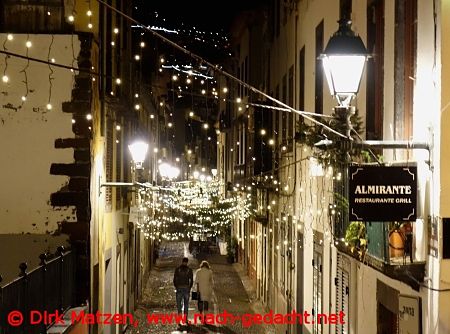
355 237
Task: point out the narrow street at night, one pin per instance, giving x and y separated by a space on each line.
231 288
229 167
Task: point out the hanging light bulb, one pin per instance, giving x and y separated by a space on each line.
5 78
71 18
28 44
89 13
10 37
49 106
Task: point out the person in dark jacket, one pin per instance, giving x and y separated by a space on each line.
183 279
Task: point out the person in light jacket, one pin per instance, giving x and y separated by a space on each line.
204 283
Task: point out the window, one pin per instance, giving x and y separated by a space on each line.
318 104
284 113
317 286
277 17
301 97
375 73
109 163
342 282
405 65
290 115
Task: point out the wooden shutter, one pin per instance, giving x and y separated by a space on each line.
342 282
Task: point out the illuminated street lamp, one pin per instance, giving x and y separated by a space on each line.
138 153
343 61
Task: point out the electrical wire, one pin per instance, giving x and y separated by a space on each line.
217 68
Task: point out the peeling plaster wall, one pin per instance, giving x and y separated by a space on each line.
28 132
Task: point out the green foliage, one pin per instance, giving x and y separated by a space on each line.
355 237
334 154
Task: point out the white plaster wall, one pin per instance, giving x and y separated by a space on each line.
28 133
366 284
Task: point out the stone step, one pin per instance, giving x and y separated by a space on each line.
70 198
77 107
79 143
73 169
78 184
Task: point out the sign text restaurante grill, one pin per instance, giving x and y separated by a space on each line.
382 193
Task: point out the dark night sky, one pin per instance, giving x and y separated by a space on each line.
205 14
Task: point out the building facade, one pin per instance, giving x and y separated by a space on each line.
71 104
296 246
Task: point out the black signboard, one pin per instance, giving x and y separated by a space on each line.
379 193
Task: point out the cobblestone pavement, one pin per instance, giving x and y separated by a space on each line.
159 295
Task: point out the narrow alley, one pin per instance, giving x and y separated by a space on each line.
232 295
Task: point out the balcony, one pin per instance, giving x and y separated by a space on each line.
33 16
48 287
390 248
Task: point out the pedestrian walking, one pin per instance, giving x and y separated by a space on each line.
204 283
183 281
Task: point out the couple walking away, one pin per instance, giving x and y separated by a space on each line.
183 280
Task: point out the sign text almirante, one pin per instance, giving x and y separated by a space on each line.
383 193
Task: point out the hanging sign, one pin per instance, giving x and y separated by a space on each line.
380 193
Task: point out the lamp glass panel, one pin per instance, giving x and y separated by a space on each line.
164 169
138 151
344 73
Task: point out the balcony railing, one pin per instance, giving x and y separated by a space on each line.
49 287
390 249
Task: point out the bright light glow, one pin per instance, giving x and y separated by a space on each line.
89 117
24 98
196 174
343 73
225 89
271 142
203 91
89 13
138 151
174 77
118 127
205 126
191 114
90 25
71 18
168 171
5 78
238 100
188 81
189 151
169 124
263 132
152 116
137 57
137 107
142 44
214 172
10 37
116 30
49 106
28 44
118 81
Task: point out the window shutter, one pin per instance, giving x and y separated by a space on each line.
342 291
